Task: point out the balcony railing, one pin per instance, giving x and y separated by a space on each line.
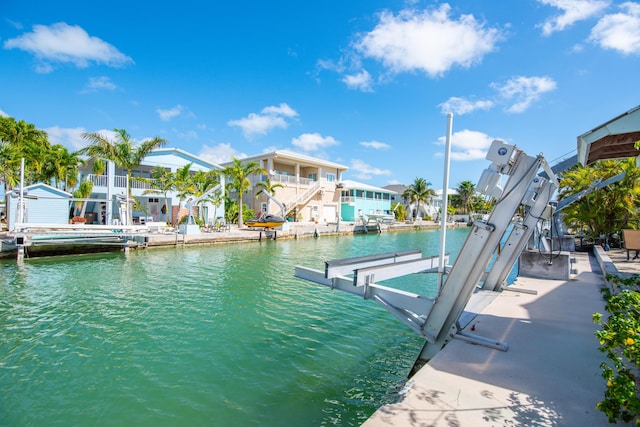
120 182
98 180
288 179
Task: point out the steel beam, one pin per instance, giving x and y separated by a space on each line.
379 273
344 266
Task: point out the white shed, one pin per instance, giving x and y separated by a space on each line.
44 205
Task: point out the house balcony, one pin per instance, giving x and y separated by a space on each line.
284 179
100 183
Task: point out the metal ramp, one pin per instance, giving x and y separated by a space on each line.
442 318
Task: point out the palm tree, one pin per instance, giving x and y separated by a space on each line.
163 182
184 183
268 188
83 192
63 165
607 209
122 151
203 182
419 192
22 140
466 190
238 174
9 164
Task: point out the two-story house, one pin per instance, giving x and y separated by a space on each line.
309 191
103 209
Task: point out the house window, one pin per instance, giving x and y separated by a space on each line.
312 176
359 193
331 177
263 207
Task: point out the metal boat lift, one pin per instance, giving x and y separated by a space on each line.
440 319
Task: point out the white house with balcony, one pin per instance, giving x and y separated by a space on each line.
102 207
310 186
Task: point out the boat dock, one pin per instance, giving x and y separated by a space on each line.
43 239
550 374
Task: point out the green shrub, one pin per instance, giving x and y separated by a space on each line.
620 341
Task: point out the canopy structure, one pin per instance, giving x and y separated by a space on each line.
612 140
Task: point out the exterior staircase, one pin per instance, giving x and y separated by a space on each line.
304 198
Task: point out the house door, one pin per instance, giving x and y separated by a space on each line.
329 213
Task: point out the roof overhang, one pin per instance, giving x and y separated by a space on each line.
612 140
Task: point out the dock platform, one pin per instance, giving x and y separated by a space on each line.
549 376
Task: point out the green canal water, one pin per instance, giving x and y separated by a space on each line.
208 336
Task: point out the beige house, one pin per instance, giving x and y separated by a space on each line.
310 190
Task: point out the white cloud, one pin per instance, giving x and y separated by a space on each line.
269 118
520 92
468 145
166 115
313 141
572 12
361 81
462 106
3 114
428 41
619 31
365 171
280 110
62 43
220 153
69 137
99 83
376 145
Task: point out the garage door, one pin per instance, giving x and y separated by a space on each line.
329 213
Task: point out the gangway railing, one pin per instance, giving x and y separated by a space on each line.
531 182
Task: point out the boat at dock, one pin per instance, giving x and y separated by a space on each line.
265 221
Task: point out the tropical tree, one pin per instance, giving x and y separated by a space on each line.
82 192
163 181
184 182
203 182
215 199
238 174
466 191
399 211
63 166
268 187
20 139
419 192
36 154
605 210
8 164
123 151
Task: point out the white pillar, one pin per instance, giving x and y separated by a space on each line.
445 187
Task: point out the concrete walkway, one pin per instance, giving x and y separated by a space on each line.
550 376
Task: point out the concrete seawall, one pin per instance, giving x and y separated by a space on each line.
295 231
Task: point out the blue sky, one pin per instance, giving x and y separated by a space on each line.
363 83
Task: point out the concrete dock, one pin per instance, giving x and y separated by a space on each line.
550 375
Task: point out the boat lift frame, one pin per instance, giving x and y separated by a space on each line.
440 319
